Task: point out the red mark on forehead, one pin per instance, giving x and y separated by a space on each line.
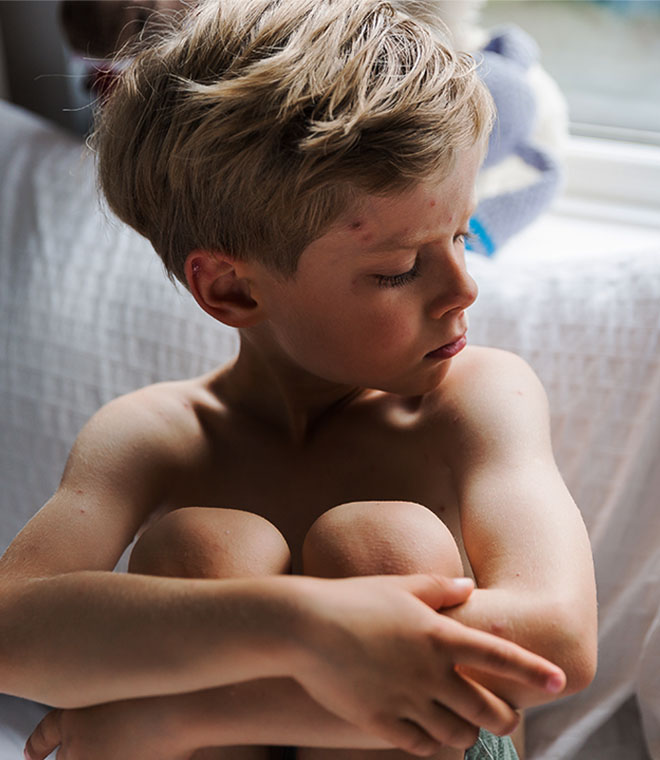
432 203
359 225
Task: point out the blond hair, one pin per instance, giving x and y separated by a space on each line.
253 125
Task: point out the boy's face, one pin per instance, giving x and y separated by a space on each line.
382 289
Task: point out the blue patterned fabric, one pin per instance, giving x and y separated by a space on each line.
491 747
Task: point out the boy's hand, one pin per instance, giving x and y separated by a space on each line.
385 661
131 730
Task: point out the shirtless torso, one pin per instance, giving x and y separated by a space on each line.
374 447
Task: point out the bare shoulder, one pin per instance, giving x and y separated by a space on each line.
493 401
482 373
159 420
146 441
125 463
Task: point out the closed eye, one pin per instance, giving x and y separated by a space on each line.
398 280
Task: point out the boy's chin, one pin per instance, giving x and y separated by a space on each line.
418 385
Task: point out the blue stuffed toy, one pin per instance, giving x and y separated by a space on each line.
501 213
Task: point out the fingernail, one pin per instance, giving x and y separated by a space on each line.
555 683
462 583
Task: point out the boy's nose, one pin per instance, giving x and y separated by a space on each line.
455 289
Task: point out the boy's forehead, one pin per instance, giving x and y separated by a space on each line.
428 210
404 219
429 207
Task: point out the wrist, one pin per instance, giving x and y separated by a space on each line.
169 719
281 631
197 719
495 611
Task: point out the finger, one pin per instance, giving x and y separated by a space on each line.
407 735
500 657
45 737
446 726
439 591
478 706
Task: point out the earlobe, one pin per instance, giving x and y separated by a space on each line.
220 290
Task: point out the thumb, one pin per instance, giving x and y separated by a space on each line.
439 590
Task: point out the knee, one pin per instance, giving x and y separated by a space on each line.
196 542
380 537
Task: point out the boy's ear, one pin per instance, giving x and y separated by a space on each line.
219 285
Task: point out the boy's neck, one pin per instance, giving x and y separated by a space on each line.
270 388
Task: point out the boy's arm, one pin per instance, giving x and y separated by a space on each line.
523 534
267 712
74 634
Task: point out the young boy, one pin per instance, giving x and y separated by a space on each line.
306 168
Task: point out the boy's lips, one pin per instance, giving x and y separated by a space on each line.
449 349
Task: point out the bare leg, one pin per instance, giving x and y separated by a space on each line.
518 739
200 542
375 538
238 753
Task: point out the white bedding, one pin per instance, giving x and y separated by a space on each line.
86 314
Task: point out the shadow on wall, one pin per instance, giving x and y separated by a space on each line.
4 86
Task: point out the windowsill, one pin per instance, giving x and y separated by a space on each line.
610 204
558 236
601 173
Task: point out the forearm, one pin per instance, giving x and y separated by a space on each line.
93 637
553 629
264 712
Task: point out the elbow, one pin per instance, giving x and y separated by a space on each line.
574 646
581 668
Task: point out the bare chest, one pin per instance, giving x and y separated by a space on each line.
292 486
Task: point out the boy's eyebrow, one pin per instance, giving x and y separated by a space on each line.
398 241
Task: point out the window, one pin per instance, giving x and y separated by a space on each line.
605 56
